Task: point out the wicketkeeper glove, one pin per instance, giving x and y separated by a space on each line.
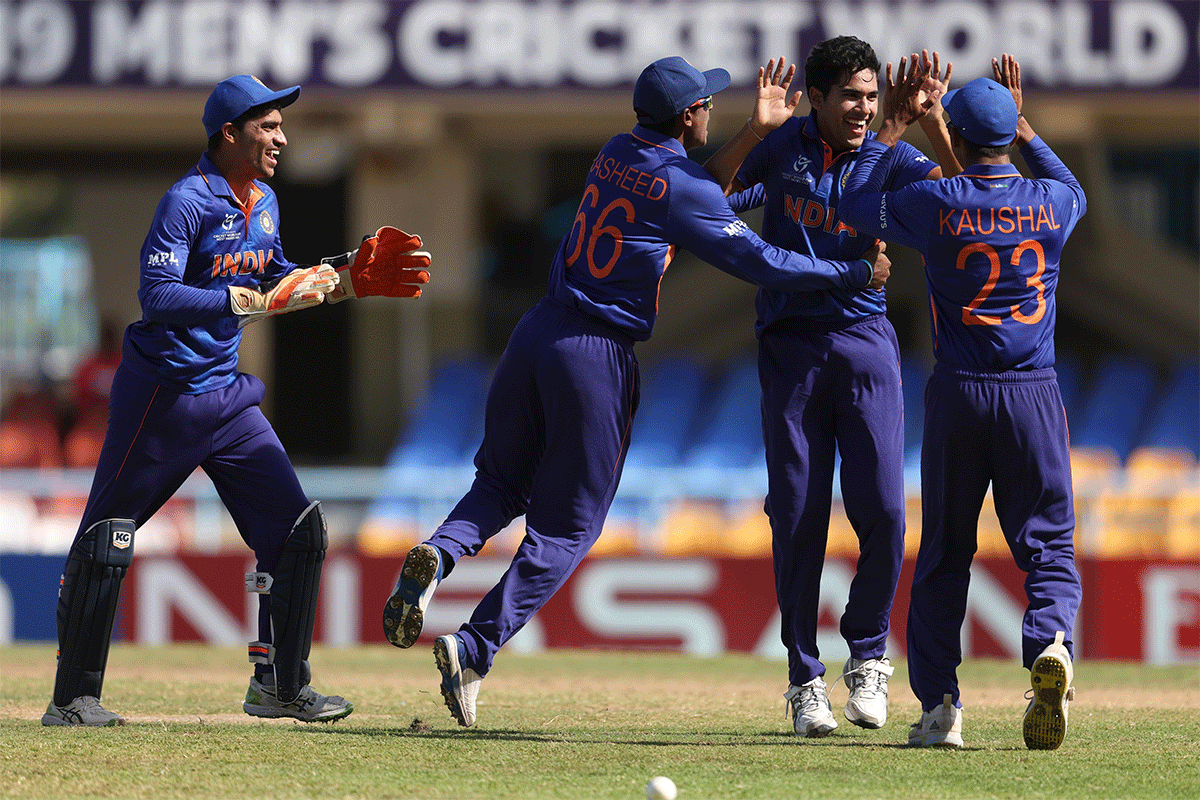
303 287
388 264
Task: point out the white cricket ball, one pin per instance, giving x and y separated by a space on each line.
661 787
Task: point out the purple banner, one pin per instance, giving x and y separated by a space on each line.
555 44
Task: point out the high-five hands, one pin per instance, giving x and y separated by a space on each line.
773 107
388 264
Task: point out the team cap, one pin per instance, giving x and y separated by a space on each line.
669 85
237 95
983 111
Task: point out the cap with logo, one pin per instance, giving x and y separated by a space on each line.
237 95
983 111
669 85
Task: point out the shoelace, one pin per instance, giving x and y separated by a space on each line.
871 678
806 699
87 701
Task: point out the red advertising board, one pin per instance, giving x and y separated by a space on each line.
1137 610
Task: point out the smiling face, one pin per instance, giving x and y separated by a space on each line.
846 111
258 144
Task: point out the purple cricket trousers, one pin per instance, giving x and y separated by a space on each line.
556 430
824 391
1008 430
157 438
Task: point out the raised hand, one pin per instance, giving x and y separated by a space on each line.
936 85
773 106
1007 72
908 98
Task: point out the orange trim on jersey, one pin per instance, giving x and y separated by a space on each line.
654 144
256 194
666 263
141 425
965 174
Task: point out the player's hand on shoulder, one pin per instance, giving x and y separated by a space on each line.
881 265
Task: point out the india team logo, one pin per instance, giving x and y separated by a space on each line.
265 221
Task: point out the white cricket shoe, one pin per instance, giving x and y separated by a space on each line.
404 612
1045 721
867 679
309 705
809 706
460 687
84 710
941 727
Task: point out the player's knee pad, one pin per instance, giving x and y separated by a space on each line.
292 587
87 606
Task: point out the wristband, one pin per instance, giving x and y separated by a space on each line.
750 125
870 272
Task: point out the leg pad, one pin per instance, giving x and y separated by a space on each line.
87 607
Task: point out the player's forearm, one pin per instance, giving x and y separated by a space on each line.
938 134
179 304
724 164
770 267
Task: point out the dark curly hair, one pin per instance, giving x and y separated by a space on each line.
834 60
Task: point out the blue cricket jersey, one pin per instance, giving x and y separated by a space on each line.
991 240
202 240
643 198
800 180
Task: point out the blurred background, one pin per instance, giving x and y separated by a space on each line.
473 123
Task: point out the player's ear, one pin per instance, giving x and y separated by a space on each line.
229 132
816 98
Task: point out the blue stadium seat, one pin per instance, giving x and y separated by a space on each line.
447 422
672 397
1070 384
914 373
1116 406
1174 424
730 436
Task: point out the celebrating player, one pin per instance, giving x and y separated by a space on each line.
829 365
562 401
211 263
993 413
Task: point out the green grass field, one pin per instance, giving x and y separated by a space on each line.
579 725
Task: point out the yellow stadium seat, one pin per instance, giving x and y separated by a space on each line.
692 528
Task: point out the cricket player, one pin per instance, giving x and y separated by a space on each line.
211 263
561 404
829 366
991 240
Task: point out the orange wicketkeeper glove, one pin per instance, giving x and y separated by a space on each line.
388 264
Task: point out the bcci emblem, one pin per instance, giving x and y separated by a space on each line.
265 222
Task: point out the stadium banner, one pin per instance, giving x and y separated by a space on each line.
1137 610
574 44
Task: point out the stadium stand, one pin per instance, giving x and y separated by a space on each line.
1115 408
438 446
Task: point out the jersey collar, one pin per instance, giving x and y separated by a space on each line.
658 140
220 187
990 171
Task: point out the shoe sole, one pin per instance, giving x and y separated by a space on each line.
1045 724
404 612
947 741
864 722
267 712
819 730
447 664
49 720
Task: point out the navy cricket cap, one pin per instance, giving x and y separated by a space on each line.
669 85
237 95
983 111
